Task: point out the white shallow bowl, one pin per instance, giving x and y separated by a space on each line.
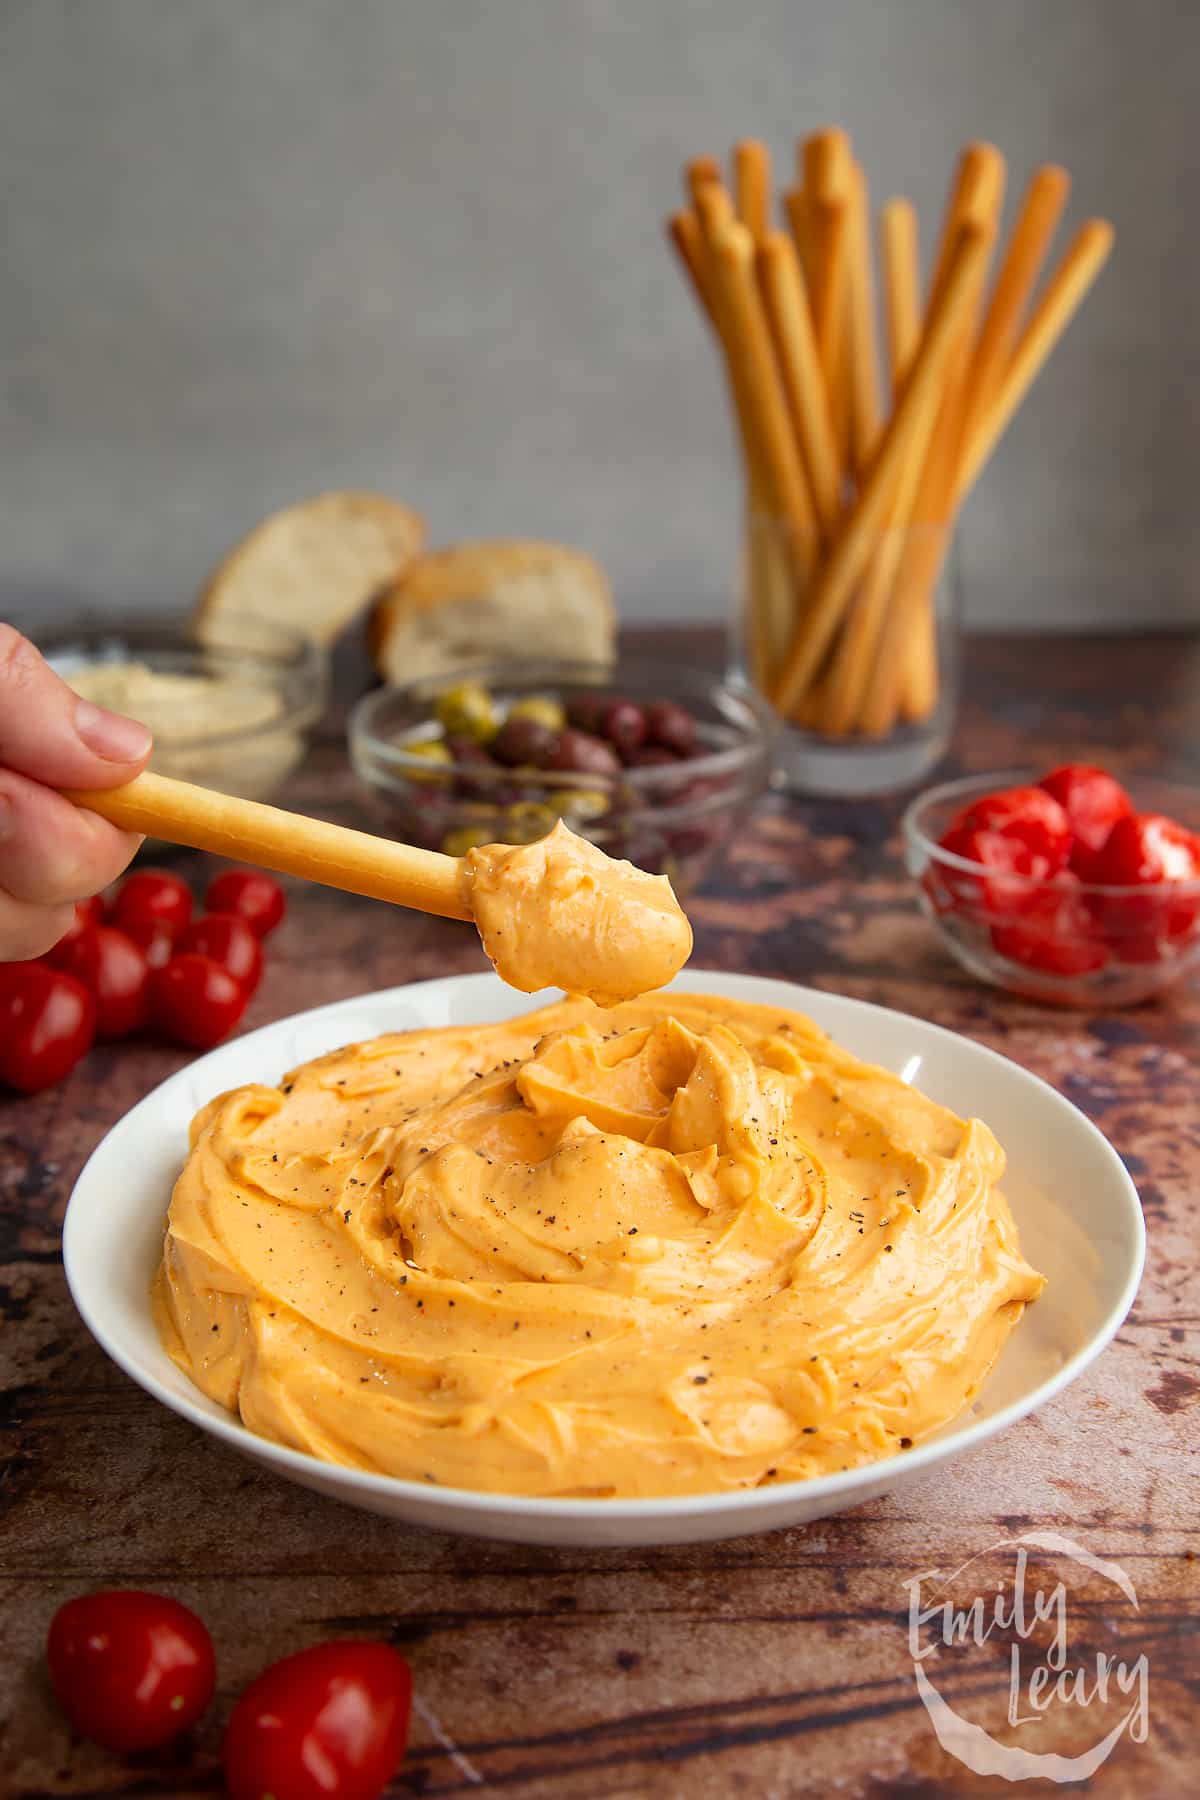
1077 1210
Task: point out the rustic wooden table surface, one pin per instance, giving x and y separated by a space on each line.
767 1666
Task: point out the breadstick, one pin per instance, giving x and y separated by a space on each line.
714 209
683 230
830 230
907 434
701 171
795 205
977 191
828 176
771 595
828 166
1072 279
857 650
901 287
906 675
823 162
688 238
1045 197
860 323
752 185
800 364
752 362
756 593
766 631
798 344
1058 305
811 710
181 813
1082 262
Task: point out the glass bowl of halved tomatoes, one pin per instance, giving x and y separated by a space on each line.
1066 886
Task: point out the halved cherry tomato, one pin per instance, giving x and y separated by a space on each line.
195 1000
229 941
1152 851
152 894
1149 847
1029 814
1014 870
1093 802
155 938
130 1670
113 969
47 1022
329 1723
1055 933
250 894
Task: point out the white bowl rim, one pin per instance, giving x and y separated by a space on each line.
843 1486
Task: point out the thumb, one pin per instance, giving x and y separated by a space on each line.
50 734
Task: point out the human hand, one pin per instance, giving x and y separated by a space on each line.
51 852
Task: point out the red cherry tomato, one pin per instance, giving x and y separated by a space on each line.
152 894
1055 933
1014 871
1029 814
130 1670
154 938
195 1000
329 1723
1148 850
87 913
1093 801
47 1022
113 969
251 895
228 940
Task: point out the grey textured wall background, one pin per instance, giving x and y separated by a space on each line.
251 250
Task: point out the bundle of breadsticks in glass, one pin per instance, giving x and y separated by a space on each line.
854 479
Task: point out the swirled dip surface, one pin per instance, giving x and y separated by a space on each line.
560 913
683 1245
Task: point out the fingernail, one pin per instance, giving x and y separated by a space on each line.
110 735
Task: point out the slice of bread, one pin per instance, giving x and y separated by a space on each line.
505 600
314 565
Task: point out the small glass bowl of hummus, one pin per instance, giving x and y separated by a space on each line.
667 812
231 709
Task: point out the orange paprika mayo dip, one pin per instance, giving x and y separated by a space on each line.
560 913
680 1246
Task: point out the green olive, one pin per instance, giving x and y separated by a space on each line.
468 710
467 837
581 803
430 750
527 821
541 709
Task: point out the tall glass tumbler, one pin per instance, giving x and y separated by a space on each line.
857 648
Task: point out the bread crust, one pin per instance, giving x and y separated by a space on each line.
315 564
480 570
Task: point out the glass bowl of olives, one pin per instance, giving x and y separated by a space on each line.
653 762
